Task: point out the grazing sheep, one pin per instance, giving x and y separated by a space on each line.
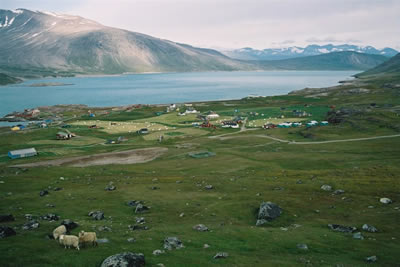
60 230
88 237
69 240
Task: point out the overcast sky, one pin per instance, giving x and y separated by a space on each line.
241 23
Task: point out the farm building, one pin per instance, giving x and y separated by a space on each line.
63 136
323 123
212 116
230 124
22 153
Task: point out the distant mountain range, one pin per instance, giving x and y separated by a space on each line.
38 44
311 50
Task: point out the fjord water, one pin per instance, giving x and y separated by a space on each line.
161 88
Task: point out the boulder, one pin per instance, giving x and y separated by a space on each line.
358 235
385 200
268 211
172 243
43 193
369 228
326 187
125 259
69 224
6 231
141 208
97 215
221 255
31 225
7 218
200 228
371 259
50 217
341 228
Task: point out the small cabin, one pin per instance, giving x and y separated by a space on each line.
22 153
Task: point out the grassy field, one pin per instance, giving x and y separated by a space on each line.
248 167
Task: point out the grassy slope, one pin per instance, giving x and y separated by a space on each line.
243 167
6 79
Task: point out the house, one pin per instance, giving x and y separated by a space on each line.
285 125
312 123
296 124
323 123
230 124
22 153
191 111
212 115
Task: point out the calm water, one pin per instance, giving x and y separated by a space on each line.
162 88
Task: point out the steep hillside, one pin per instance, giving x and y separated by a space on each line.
310 50
56 43
6 79
331 61
391 66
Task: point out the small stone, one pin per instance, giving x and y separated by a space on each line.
104 228
155 188
57 189
371 259
103 240
62 178
6 231
43 193
358 235
158 252
182 214
385 200
110 187
140 220
172 243
221 255
141 208
326 187
137 227
50 217
299 182
50 205
341 228
31 225
258 194
208 187
206 246
97 215
338 192
302 246
200 228
369 228
131 240
133 203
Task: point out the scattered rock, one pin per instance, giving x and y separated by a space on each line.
28 216
131 240
385 200
302 246
154 188
7 218
69 224
31 225
182 214
338 192
326 187
104 228
43 193
358 235
133 203
369 228
299 182
209 187
140 220
138 227
221 255
57 188
158 252
341 228
206 246
50 217
268 211
141 208
371 259
126 259
97 215
110 187
200 228
103 240
173 243
50 205
6 231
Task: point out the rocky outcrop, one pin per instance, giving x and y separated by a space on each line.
125 259
268 211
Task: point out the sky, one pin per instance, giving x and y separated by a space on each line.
228 24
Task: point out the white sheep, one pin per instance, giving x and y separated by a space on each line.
60 230
88 237
69 240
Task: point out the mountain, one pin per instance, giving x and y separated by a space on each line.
311 50
6 79
37 43
332 61
392 66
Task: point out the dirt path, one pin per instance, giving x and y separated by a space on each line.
329 141
124 157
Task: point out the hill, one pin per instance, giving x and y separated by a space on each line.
44 43
296 51
392 66
331 61
6 79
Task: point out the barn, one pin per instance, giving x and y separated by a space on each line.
22 153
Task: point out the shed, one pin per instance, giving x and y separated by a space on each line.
22 153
